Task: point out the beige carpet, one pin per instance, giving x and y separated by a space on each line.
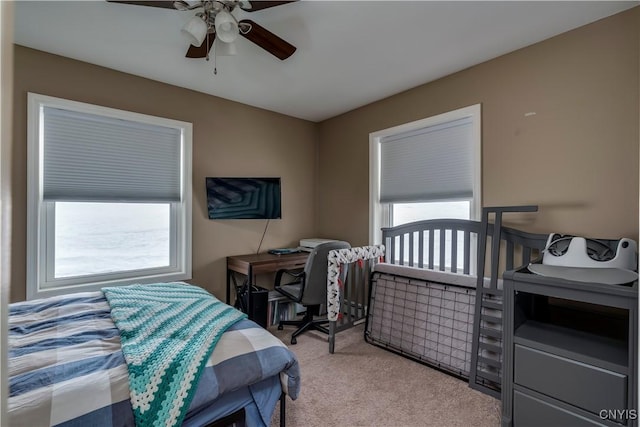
364 385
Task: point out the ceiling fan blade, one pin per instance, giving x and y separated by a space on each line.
259 5
162 4
267 40
202 50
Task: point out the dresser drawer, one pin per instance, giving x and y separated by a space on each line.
529 411
579 384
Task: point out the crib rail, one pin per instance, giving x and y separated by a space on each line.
348 283
452 245
414 244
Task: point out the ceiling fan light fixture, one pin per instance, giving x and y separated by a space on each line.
195 30
226 27
225 49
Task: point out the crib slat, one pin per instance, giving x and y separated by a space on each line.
353 301
443 233
346 292
392 252
491 319
360 285
387 249
490 347
510 252
495 249
526 255
490 332
467 252
411 248
421 249
431 249
490 362
492 304
364 289
454 251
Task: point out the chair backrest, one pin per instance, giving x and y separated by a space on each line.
315 290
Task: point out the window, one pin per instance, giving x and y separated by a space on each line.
427 169
403 213
109 197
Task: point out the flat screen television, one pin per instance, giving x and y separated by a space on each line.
243 198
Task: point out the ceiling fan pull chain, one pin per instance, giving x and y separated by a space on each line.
215 62
207 56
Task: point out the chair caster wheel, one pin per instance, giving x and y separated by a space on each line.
294 341
280 327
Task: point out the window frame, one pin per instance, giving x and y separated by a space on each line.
380 213
41 214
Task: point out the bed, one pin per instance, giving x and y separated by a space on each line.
67 368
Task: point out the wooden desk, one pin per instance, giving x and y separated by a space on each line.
253 264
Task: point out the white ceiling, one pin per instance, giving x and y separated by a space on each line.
350 53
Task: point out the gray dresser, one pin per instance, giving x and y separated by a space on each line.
570 352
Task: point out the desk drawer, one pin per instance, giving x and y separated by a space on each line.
579 384
529 411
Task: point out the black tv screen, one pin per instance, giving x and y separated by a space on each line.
243 198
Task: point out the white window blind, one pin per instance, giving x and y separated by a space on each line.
96 158
432 163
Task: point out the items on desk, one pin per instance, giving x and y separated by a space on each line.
284 251
309 244
306 245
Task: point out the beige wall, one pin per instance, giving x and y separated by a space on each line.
577 157
229 139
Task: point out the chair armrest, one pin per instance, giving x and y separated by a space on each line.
299 276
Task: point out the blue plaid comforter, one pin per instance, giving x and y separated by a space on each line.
66 365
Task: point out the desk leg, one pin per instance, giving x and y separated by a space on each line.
332 336
229 273
250 292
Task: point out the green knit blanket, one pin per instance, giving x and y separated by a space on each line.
168 331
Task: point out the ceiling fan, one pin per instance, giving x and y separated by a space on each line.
216 20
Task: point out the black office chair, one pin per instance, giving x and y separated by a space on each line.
309 288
